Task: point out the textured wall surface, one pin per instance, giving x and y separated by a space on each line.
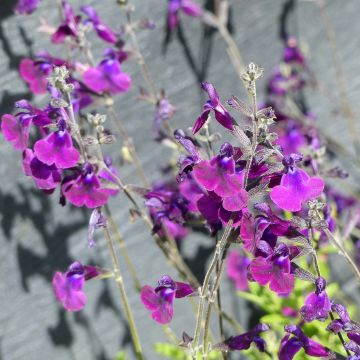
37 236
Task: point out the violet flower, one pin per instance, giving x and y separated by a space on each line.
187 6
296 186
68 286
86 189
26 7
164 112
104 174
96 221
237 268
103 31
35 72
243 341
274 269
57 148
219 175
167 208
291 345
46 177
69 27
107 77
16 130
221 114
317 304
160 300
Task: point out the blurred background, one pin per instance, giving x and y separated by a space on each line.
37 236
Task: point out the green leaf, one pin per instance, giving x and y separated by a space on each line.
120 355
170 351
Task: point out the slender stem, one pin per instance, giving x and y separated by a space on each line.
120 284
215 291
317 267
123 249
204 289
128 141
343 252
143 66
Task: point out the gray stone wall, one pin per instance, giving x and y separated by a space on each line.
38 237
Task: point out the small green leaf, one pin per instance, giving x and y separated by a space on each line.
120 356
170 351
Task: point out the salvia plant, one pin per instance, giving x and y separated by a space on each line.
263 196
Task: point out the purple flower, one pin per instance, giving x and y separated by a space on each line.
243 341
273 269
69 27
164 112
160 300
296 187
219 175
86 189
46 177
96 221
34 76
68 286
187 6
237 267
104 174
221 114
291 139
317 304
290 345
26 7
107 77
102 30
292 52
211 207
167 208
57 148
16 130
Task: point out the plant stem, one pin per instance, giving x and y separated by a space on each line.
220 246
120 284
316 262
123 249
128 141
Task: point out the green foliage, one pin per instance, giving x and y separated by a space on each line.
272 307
120 355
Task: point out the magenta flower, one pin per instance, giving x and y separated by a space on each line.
292 52
296 186
86 189
211 207
160 300
35 72
291 345
274 269
69 27
68 286
107 77
221 114
243 341
46 177
102 30
317 304
35 76
26 7
237 268
167 207
104 174
57 148
16 130
187 6
219 175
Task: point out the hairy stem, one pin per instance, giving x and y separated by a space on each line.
220 246
123 296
